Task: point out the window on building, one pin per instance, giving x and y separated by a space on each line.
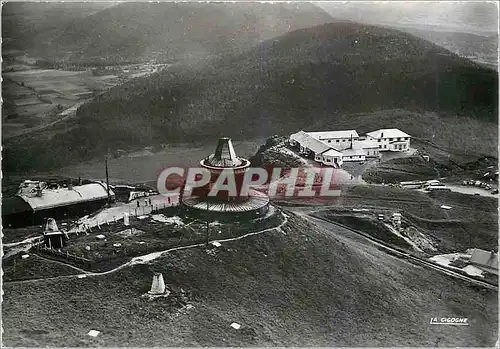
338 140
380 140
380 146
390 139
329 141
350 157
385 146
328 160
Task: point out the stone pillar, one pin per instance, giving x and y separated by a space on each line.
158 285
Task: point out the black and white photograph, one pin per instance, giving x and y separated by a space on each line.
250 174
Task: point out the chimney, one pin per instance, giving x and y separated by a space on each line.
38 190
158 285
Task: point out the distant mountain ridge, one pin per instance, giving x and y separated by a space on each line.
295 79
469 29
169 31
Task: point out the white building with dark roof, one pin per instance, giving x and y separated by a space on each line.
390 139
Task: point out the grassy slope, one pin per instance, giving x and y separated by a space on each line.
301 289
34 267
472 221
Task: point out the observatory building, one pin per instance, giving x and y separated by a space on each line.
245 205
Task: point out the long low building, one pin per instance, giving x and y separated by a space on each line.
338 139
36 201
316 149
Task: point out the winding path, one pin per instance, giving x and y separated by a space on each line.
150 257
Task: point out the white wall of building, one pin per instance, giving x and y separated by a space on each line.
327 160
384 143
339 143
353 157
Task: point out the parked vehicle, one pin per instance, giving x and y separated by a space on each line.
437 188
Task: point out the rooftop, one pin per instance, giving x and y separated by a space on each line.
332 152
387 133
353 151
334 134
484 258
67 196
224 155
310 142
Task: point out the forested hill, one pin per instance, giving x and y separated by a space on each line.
297 79
303 78
169 31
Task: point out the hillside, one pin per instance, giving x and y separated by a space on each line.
28 25
300 78
168 31
480 48
303 286
307 77
468 29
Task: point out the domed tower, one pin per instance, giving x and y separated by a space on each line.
225 159
249 204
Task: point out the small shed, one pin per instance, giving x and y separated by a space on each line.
52 236
486 260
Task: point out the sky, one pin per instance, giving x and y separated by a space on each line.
469 17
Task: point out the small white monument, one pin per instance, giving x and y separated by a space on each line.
158 285
126 219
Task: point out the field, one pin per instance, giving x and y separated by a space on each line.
302 286
37 97
40 96
33 267
151 235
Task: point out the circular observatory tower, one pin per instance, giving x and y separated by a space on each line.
214 199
